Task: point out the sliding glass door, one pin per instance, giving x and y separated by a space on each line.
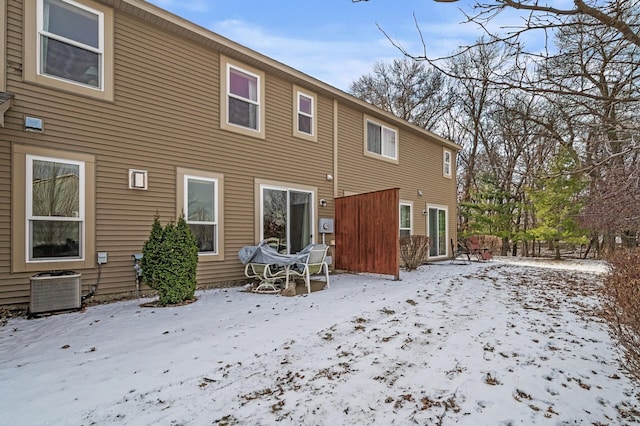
437 231
287 218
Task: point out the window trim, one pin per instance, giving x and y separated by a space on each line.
31 72
297 92
368 119
29 217
410 205
260 184
226 64
446 163
182 174
19 248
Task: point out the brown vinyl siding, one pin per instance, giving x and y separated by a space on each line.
166 114
419 168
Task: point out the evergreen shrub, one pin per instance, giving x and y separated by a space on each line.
170 261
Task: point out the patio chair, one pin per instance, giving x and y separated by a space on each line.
480 254
268 281
315 264
461 253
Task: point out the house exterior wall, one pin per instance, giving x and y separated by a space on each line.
165 117
419 170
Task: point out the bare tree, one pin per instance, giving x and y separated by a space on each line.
619 15
407 89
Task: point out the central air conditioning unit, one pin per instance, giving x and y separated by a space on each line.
55 291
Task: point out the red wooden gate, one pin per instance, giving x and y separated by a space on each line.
367 233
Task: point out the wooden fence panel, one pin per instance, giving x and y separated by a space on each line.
367 233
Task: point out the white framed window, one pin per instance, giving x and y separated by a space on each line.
305 114
243 107
55 209
71 42
447 161
200 198
406 214
381 140
69 46
201 211
437 217
52 209
242 98
305 123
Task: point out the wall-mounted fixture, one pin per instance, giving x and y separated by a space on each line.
329 178
137 179
33 124
323 202
325 225
424 212
419 193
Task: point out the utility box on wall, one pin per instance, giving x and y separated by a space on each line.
325 226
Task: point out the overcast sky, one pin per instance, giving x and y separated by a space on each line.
336 41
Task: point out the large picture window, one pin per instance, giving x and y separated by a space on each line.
70 42
201 211
55 209
381 140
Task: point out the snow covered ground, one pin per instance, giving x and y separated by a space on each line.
500 343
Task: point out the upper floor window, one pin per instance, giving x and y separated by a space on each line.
405 219
304 124
381 140
70 42
244 103
69 45
243 94
55 208
446 163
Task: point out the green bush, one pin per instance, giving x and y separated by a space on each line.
170 261
414 251
622 306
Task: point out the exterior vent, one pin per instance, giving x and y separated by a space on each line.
55 291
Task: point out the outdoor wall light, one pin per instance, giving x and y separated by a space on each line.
419 193
329 178
323 202
33 124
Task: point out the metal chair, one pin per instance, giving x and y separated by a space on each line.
314 265
461 253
